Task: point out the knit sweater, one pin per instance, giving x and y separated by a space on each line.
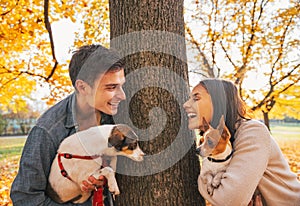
257 161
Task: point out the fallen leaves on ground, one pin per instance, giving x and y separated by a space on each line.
8 170
291 151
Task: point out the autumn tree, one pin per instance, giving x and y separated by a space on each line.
29 48
239 40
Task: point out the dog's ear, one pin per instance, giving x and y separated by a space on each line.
225 134
122 136
116 139
221 125
223 130
205 124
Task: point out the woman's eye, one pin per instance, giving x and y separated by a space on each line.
196 97
111 87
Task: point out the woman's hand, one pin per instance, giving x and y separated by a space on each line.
256 201
92 183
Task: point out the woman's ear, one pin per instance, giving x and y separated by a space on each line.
82 87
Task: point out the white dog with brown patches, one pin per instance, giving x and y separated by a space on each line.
80 155
216 150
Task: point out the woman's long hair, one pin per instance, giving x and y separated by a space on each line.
226 101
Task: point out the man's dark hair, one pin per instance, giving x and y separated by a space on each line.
89 61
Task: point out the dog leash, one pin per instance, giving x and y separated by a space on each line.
98 193
70 156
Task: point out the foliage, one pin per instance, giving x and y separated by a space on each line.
253 43
246 41
288 103
28 53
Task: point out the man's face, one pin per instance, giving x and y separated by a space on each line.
107 92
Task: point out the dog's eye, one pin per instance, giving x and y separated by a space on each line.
132 146
210 143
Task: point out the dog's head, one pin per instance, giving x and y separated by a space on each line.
214 140
125 142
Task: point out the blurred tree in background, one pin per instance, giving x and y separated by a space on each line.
255 44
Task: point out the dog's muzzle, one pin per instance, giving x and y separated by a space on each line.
198 151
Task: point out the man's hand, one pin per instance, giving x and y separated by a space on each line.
92 183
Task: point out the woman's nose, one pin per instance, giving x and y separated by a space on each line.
186 105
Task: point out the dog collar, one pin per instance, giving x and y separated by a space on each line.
220 160
70 156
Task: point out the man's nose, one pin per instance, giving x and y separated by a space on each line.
121 94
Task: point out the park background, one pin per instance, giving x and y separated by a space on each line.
254 43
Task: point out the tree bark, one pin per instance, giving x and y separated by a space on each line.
266 119
150 36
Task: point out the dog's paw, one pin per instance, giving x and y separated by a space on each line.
203 179
210 190
112 183
216 183
113 188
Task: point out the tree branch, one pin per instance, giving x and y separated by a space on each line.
48 27
3 14
197 45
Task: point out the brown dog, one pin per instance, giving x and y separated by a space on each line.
80 155
216 151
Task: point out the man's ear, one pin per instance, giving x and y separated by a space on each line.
82 87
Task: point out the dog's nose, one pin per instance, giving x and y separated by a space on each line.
198 151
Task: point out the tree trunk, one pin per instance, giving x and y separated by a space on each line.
266 119
150 36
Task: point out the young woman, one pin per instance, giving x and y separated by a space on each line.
257 161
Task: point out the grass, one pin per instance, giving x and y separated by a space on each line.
10 147
283 131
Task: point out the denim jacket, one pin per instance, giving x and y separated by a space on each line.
40 148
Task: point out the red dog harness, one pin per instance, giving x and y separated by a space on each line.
70 156
98 193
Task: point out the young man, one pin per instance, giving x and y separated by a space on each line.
97 74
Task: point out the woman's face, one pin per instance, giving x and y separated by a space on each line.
198 106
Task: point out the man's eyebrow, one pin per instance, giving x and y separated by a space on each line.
110 85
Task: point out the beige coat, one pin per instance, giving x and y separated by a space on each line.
257 161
